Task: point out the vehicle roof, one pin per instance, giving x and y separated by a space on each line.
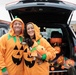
51 3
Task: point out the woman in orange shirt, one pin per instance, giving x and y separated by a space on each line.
31 67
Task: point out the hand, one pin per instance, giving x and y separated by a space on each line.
39 56
5 73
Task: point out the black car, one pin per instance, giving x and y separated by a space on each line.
49 15
4 27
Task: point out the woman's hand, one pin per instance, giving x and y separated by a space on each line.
39 56
5 73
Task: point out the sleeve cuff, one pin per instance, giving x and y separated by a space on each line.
44 57
4 69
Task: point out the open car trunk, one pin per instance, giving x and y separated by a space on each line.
41 12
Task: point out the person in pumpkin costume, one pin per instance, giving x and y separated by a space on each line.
11 51
31 66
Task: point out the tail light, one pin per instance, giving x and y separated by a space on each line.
75 50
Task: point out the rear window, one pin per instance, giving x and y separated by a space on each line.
46 32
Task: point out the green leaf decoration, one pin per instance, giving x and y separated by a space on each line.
14 38
20 39
33 49
9 37
38 41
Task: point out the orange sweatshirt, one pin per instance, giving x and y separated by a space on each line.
11 51
0 72
31 67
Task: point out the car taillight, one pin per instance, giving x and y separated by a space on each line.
75 49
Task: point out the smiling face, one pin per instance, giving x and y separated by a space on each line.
30 30
17 27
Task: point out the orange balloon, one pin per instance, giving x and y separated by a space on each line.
52 68
62 67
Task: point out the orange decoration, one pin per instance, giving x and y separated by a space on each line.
62 67
52 68
69 62
58 50
56 40
60 60
41 50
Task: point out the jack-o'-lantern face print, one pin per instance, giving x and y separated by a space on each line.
17 55
29 62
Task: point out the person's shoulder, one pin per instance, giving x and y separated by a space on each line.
43 39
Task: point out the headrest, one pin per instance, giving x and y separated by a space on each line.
56 34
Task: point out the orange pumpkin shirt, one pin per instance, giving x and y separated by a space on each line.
11 51
31 67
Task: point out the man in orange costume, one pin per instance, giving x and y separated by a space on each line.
11 49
